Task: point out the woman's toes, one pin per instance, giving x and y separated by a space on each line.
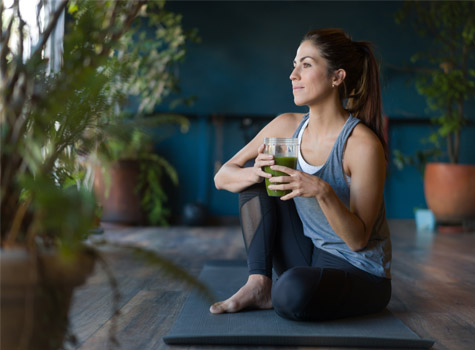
216 308
232 306
255 293
224 306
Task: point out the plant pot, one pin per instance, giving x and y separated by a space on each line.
36 294
120 202
450 192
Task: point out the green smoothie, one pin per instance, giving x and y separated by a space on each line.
290 162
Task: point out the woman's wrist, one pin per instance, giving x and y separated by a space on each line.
251 177
324 193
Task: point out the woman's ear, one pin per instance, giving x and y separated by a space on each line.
338 77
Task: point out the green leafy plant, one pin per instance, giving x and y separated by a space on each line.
447 77
152 49
418 160
49 121
46 118
133 141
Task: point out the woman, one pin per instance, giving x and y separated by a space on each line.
327 240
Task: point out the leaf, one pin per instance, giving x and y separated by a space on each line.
169 269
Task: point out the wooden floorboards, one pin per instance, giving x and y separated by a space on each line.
433 284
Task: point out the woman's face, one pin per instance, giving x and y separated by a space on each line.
310 81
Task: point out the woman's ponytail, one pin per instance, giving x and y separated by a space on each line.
364 101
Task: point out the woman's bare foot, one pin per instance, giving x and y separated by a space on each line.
256 293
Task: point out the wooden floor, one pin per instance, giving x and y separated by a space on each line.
433 284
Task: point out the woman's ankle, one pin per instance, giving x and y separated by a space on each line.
260 278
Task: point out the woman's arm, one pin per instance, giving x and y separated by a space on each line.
365 163
368 170
233 177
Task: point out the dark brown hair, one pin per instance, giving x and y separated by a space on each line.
360 89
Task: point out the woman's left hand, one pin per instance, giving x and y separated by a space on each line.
301 184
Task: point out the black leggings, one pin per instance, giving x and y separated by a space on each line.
312 285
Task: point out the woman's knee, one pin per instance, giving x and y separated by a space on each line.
255 201
256 190
293 292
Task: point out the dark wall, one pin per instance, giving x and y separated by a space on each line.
241 69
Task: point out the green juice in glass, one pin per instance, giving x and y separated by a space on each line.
290 162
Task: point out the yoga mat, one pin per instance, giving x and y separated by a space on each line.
195 325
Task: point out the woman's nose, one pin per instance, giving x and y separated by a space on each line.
293 75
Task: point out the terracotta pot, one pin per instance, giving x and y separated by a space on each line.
36 294
120 202
450 192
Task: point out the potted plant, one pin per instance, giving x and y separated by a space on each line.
49 120
132 189
447 80
129 174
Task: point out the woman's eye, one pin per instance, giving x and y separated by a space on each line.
306 65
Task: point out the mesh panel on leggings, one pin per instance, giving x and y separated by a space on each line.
251 211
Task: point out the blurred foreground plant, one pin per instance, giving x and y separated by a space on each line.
49 121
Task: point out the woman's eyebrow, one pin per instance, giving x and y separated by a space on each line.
305 58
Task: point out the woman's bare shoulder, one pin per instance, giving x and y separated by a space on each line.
283 125
291 117
288 121
363 142
364 136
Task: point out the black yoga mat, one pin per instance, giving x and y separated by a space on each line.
195 325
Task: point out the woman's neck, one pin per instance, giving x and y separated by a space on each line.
327 119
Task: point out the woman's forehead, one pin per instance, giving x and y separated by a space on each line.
307 48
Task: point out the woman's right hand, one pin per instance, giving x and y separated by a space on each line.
261 161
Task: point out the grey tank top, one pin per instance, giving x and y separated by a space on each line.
376 257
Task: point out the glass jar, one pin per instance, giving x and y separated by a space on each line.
285 152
